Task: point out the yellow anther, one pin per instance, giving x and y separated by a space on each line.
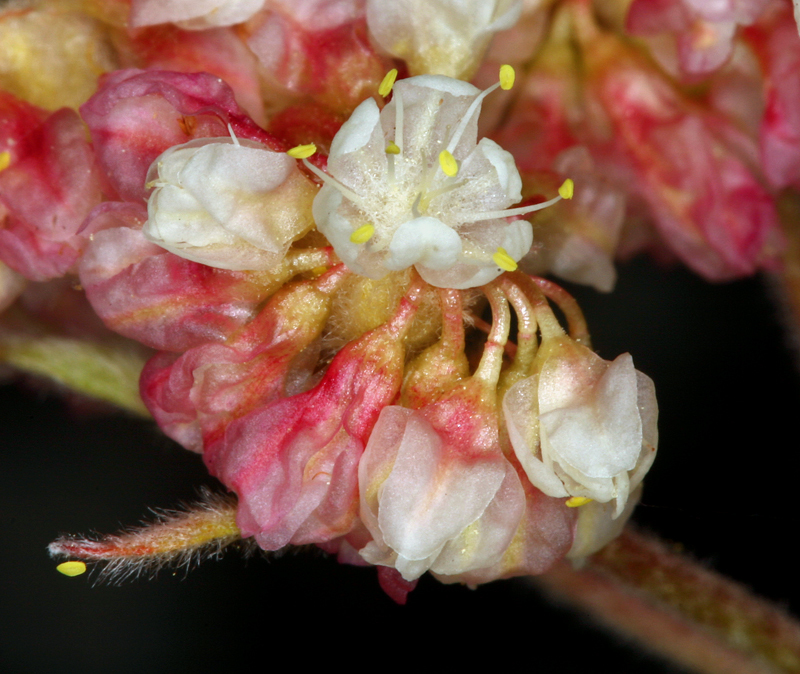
503 260
319 271
387 83
71 569
448 163
302 151
507 77
577 501
567 189
362 234
392 148
5 160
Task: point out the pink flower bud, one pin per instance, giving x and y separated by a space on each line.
708 206
136 115
195 396
48 185
293 462
160 299
440 38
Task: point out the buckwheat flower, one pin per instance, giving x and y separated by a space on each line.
227 203
411 186
437 493
596 430
443 37
193 14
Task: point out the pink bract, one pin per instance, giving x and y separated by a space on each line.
48 189
136 115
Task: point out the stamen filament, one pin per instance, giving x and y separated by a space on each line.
492 215
447 187
233 136
391 150
352 196
468 115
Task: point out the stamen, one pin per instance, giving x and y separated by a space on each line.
449 186
233 136
398 119
507 77
503 260
577 501
448 163
468 115
71 569
567 189
391 148
387 83
352 196
302 151
492 215
363 234
5 160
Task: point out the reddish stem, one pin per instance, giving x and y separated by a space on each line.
680 609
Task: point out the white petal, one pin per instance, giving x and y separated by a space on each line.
600 435
356 132
426 241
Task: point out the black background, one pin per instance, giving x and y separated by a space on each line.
724 484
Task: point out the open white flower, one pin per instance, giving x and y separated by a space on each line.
584 427
193 14
411 185
440 37
227 203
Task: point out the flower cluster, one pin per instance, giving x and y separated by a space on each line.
301 212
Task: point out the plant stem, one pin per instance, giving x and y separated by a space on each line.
678 608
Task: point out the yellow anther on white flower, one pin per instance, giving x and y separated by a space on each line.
448 163
302 151
453 225
503 260
363 234
567 189
71 569
577 501
387 83
507 77
5 160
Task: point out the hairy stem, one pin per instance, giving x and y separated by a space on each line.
680 609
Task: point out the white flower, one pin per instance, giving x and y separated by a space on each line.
193 14
227 204
584 427
432 505
598 524
440 37
411 185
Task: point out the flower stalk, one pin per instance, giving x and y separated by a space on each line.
675 606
